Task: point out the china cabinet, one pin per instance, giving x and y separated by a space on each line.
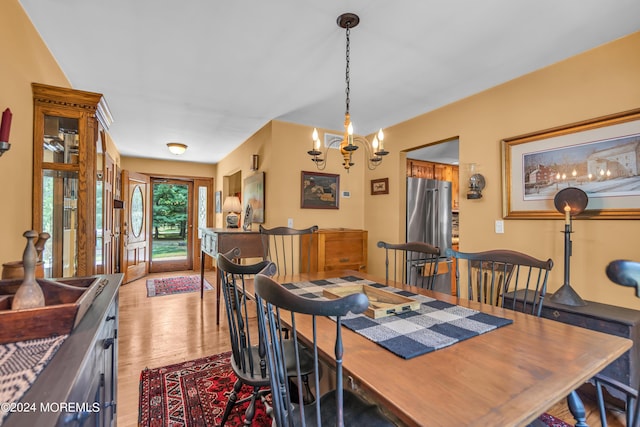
66 135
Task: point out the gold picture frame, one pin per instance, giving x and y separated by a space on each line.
597 155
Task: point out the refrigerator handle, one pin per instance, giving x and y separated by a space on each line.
436 211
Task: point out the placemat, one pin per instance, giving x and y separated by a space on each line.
20 364
436 324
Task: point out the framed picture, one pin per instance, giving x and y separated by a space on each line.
254 196
600 156
218 201
380 186
319 190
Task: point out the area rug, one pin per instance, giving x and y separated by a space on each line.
552 421
193 394
175 285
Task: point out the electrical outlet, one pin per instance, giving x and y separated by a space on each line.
499 226
290 223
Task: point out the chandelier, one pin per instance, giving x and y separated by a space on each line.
348 143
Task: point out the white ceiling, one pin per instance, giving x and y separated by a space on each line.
211 73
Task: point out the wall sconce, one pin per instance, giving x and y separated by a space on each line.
177 148
5 127
476 185
255 159
232 206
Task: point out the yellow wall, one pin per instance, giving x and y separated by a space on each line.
282 148
22 63
599 82
596 83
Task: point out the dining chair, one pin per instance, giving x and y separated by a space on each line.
512 280
248 360
411 263
625 273
505 278
337 407
282 247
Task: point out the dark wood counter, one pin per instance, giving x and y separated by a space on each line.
78 386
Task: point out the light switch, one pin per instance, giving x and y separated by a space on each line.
499 226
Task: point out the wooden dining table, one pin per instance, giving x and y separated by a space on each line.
505 377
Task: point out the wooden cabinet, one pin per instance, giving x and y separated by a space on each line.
66 132
439 171
83 372
335 249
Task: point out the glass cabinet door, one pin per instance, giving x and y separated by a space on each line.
60 220
65 132
61 141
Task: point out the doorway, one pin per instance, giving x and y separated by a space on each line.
171 225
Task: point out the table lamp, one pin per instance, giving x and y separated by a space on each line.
569 201
232 206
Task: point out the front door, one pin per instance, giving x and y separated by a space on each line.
135 254
171 225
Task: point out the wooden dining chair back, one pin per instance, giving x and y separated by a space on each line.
337 407
411 263
505 278
624 273
282 246
248 354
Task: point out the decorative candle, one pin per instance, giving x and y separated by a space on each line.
5 127
567 214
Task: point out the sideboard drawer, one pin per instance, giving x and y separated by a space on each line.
335 249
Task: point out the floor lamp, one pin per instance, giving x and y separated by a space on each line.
569 201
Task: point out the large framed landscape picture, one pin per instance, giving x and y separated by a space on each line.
600 156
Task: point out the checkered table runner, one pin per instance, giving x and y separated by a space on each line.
436 324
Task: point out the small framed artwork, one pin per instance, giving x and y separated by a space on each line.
218 201
380 186
319 190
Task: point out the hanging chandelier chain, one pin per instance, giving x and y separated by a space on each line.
348 143
347 79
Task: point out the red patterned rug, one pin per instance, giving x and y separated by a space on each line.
193 394
175 285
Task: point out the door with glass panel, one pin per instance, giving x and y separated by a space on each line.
135 243
171 225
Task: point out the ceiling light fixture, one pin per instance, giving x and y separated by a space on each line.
176 148
375 150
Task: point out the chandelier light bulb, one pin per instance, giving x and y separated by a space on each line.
374 144
316 140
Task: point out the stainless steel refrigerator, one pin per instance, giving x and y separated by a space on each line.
429 217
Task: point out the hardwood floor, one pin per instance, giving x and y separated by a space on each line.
169 329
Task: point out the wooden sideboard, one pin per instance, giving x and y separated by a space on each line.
221 240
335 249
83 372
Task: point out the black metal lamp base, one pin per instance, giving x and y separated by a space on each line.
567 296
